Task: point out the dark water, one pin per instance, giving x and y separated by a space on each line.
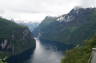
45 54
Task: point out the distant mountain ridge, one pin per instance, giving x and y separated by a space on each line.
72 28
30 25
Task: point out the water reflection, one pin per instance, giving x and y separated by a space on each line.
44 54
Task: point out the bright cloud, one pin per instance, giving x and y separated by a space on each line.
36 10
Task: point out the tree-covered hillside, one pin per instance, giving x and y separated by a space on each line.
80 54
14 39
72 28
7 27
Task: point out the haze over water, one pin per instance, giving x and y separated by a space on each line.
43 54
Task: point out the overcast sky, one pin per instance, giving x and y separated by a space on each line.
36 10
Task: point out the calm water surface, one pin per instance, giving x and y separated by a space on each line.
45 54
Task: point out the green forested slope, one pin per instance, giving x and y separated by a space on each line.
80 54
76 26
15 38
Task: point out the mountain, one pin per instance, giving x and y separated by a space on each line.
81 54
15 39
72 28
31 25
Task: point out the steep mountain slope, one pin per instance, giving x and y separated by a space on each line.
30 25
14 39
72 28
81 54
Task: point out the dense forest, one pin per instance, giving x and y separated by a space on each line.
14 39
80 54
72 28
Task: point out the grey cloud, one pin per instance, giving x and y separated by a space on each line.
49 7
88 3
43 6
35 6
2 11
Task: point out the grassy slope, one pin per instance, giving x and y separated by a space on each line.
80 54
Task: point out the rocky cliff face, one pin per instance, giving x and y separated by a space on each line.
22 40
14 39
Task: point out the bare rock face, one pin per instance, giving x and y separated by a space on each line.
93 56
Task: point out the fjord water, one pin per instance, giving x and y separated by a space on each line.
45 54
